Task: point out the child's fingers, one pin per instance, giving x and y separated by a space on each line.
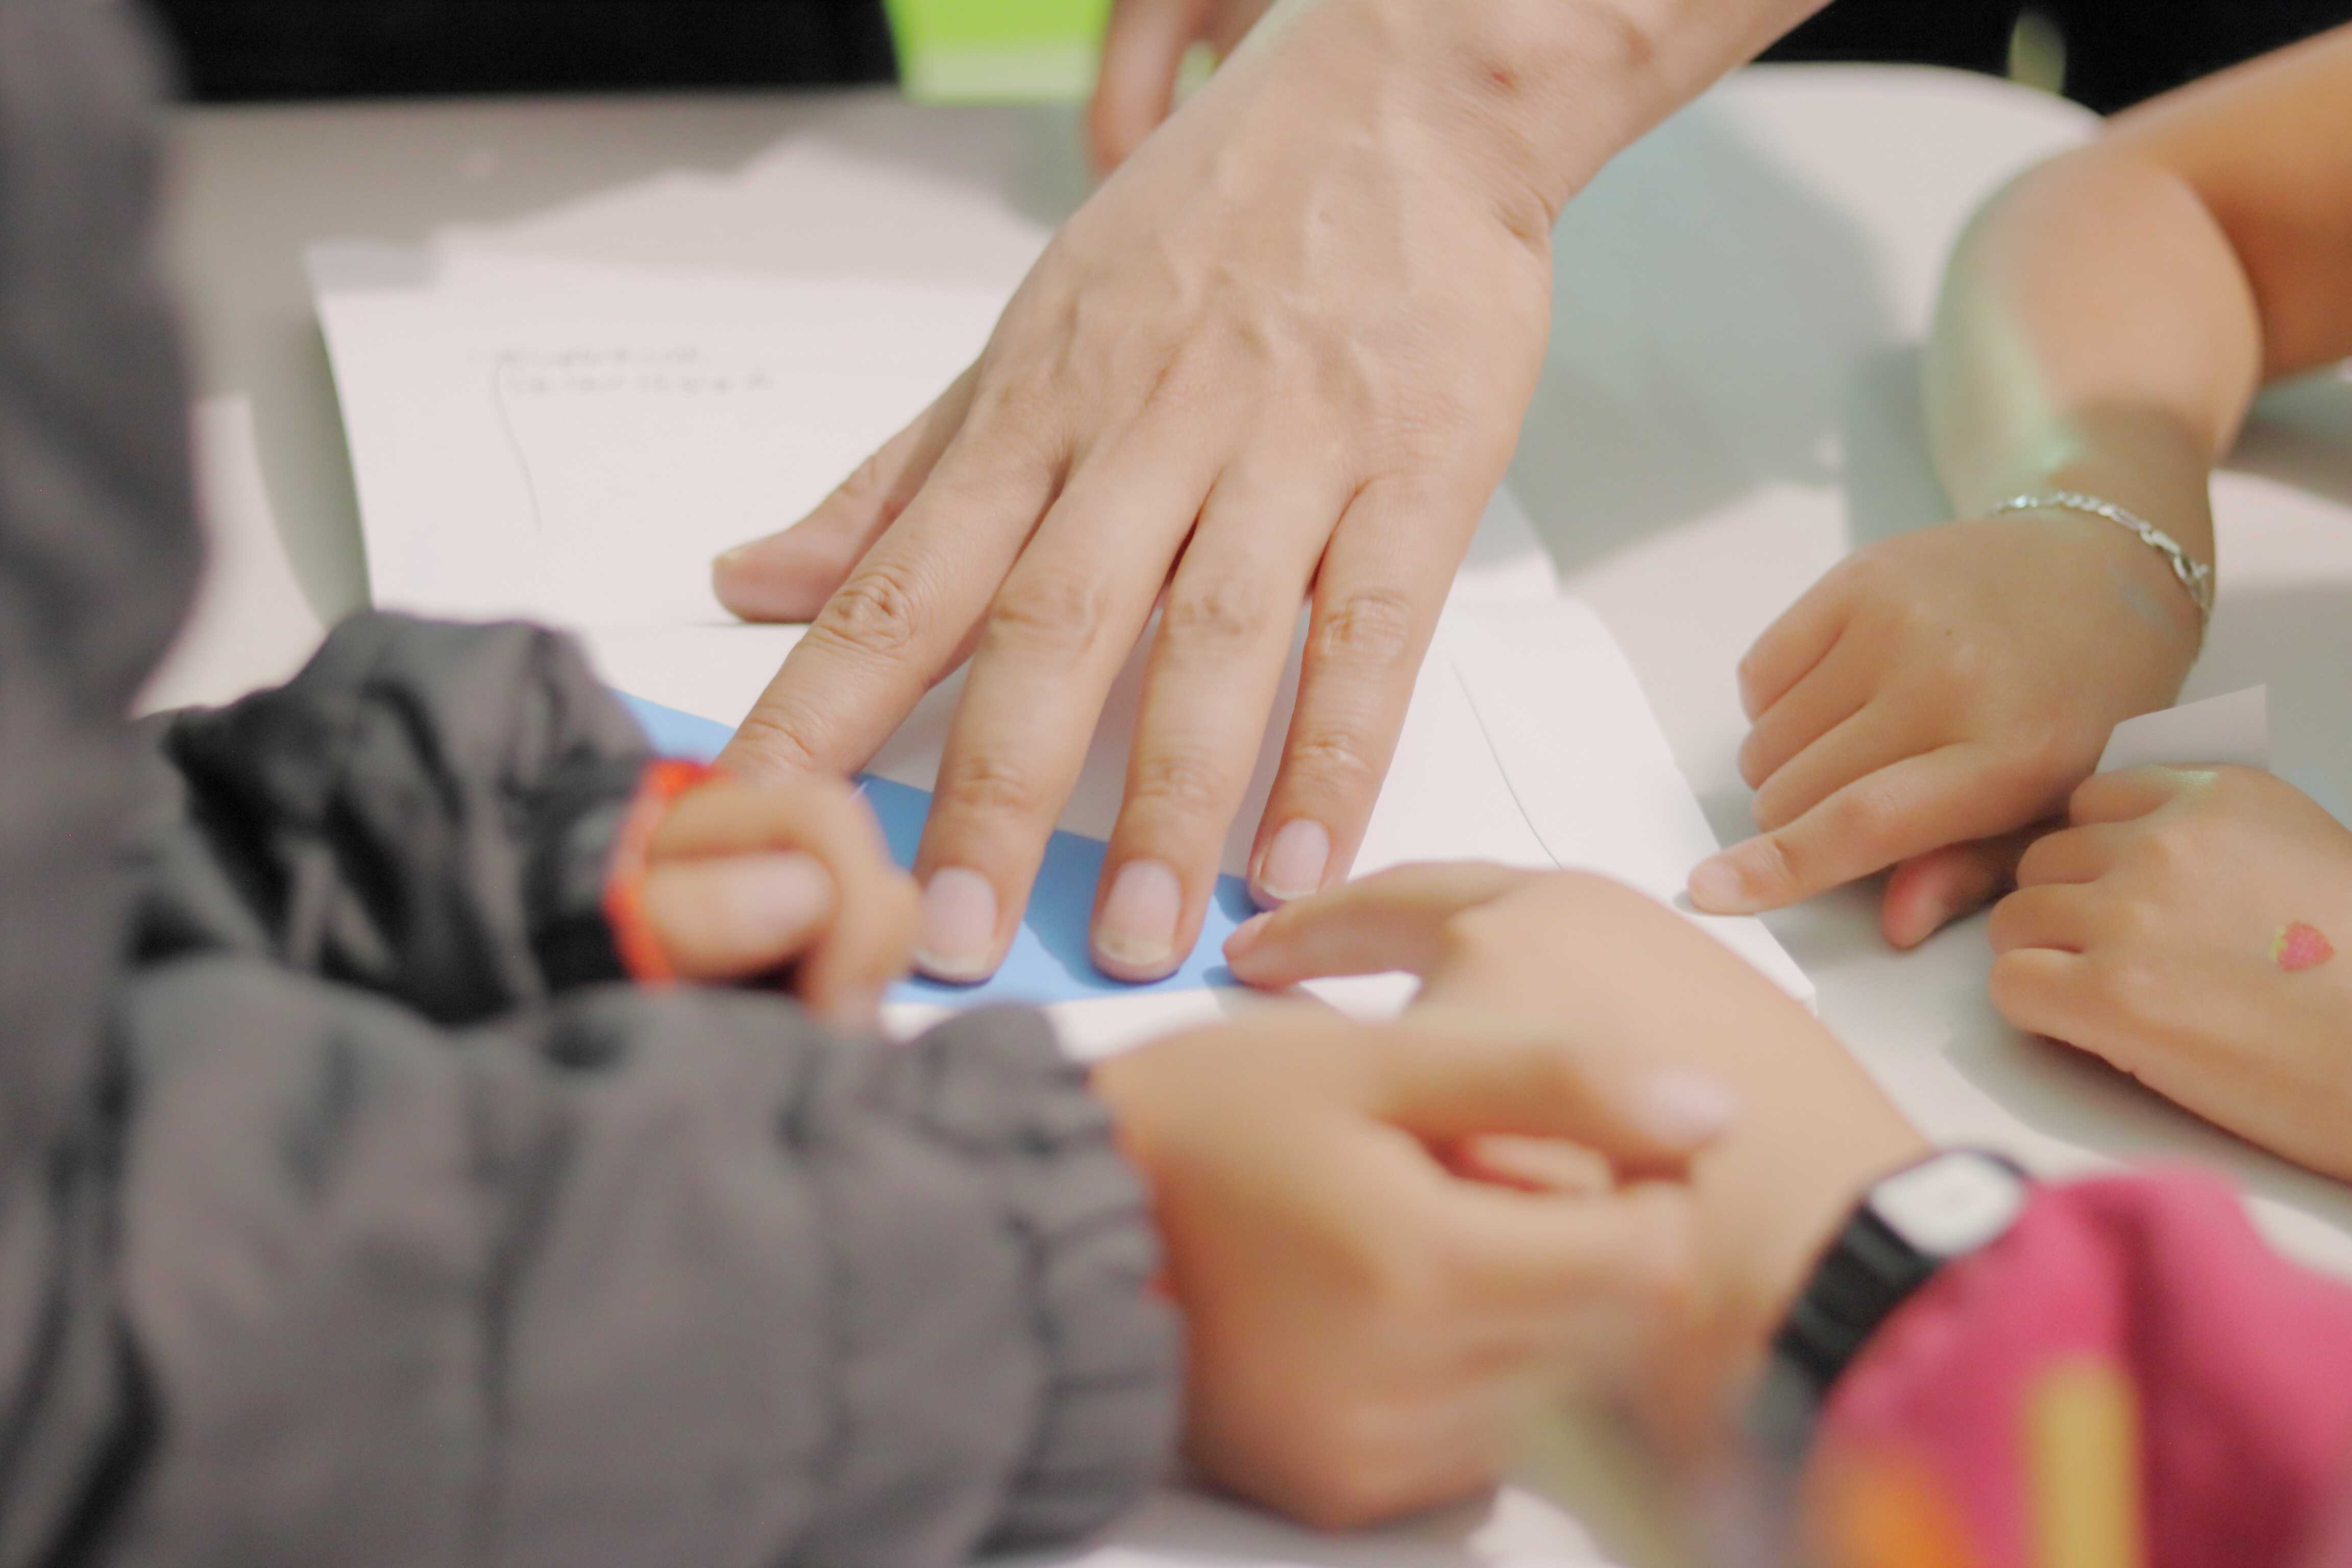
1823 698
1907 809
2130 793
735 916
1395 920
1531 1256
1530 1164
1443 1075
2059 916
2039 990
1876 738
1793 645
1927 891
864 946
2075 855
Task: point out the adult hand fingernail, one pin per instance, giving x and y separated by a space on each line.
1682 1108
1135 938
1718 885
959 940
1295 862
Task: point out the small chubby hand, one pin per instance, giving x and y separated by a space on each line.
742 879
1934 696
2183 927
1368 1326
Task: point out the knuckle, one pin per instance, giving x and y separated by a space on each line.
1223 613
1058 614
1181 780
1336 761
2128 986
1372 627
775 741
877 613
1779 863
991 785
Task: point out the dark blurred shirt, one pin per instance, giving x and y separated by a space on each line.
338 48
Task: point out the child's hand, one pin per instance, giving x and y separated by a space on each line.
1938 689
1367 1331
742 879
1637 988
2181 929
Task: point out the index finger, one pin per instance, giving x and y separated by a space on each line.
1906 808
893 629
1395 920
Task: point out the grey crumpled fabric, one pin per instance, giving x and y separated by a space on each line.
351 1210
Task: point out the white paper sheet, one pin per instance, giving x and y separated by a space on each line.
2236 728
574 443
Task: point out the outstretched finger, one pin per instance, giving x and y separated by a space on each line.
895 627
1914 805
1377 596
1395 920
1214 672
1064 622
788 576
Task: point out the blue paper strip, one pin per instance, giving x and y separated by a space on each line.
1048 962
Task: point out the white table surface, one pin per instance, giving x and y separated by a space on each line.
1728 404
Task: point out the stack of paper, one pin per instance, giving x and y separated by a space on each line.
573 444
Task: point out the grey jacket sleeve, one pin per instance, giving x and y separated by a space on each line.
326 1238
641 1277
426 811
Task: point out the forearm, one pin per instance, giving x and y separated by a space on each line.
2107 319
2096 333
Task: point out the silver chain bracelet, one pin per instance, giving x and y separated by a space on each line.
2195 575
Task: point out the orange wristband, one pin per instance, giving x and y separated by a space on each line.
633 937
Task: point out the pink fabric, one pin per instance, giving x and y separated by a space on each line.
2243 1362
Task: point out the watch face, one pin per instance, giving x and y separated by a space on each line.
1951 1204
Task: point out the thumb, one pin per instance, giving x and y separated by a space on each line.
1143 51
788 576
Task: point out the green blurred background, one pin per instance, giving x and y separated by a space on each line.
963 51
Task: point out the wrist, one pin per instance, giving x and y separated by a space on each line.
1529 98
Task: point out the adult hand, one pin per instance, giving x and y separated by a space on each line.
1934 694
1366 1331
1634 985
1287 346
1143 55
2182 929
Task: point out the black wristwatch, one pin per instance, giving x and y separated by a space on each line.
1907 1225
